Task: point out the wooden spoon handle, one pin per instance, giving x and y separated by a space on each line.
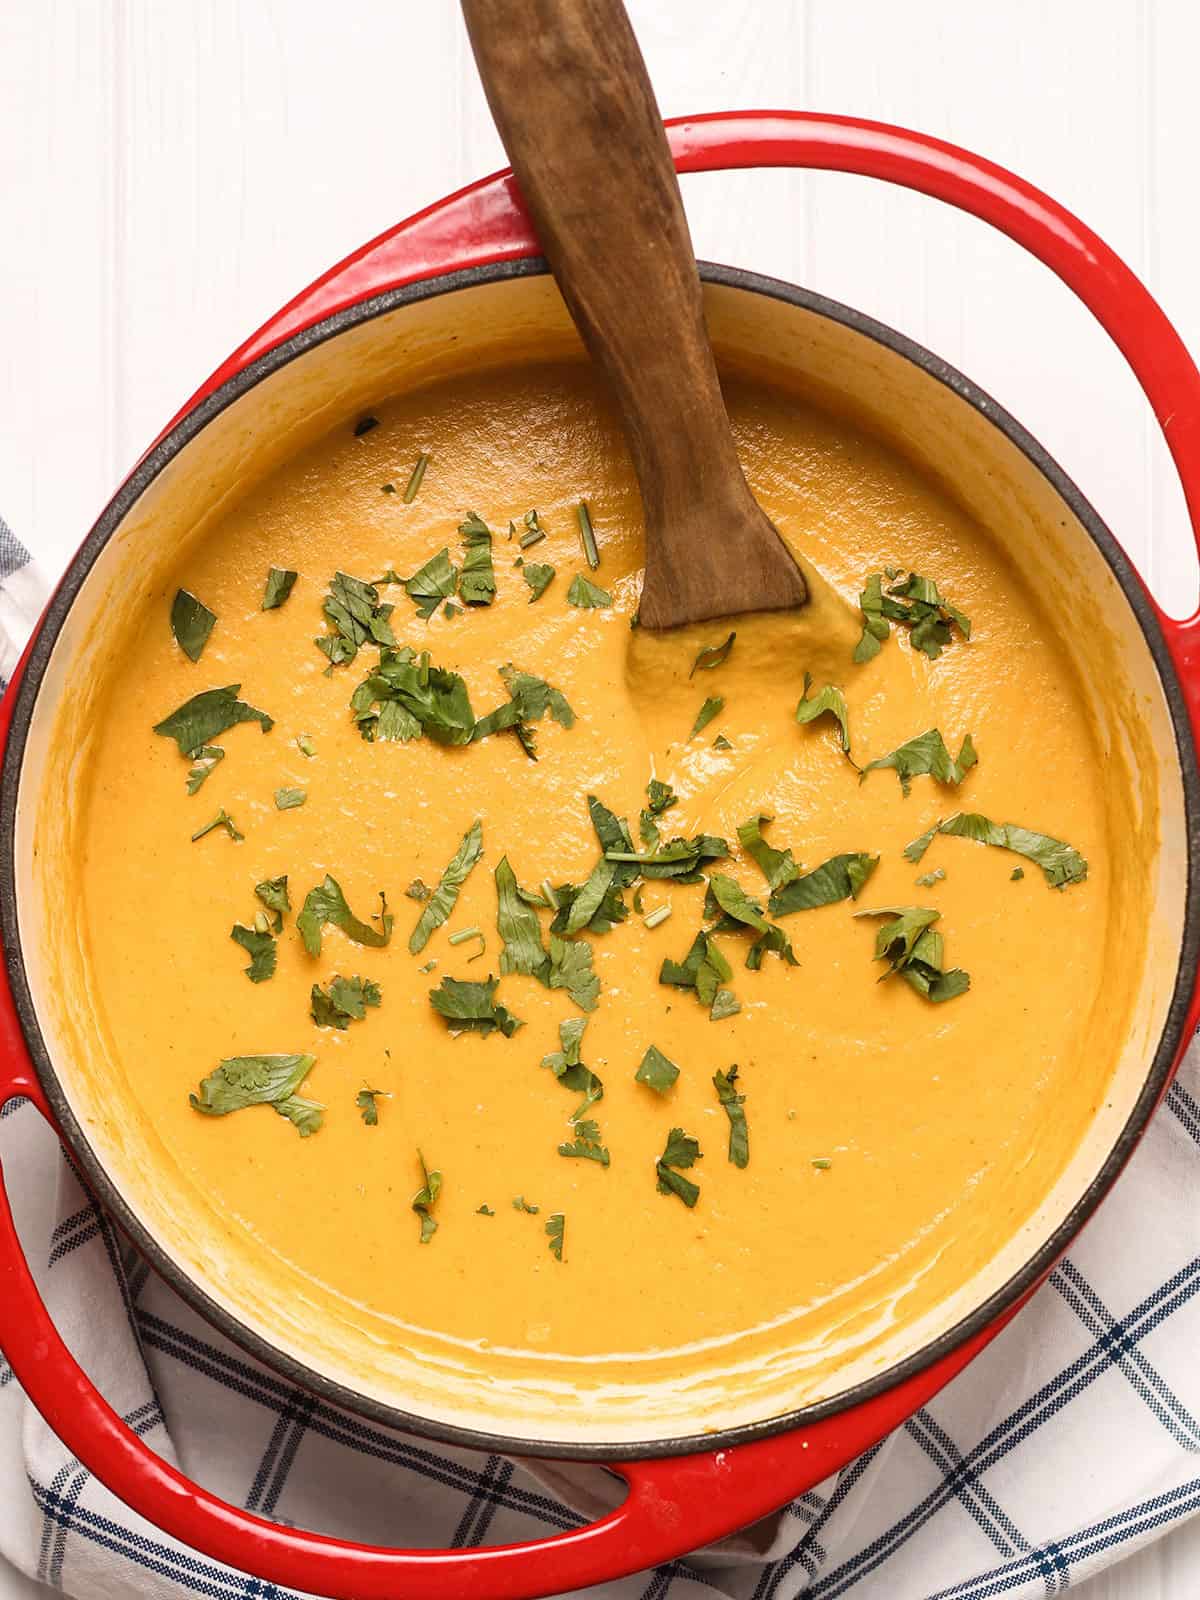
572 99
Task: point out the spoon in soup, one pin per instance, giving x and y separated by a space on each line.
572 100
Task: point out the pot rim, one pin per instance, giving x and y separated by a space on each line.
1017 1287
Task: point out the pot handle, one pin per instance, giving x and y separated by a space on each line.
677 1504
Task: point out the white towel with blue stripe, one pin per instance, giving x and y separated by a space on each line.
1070 1443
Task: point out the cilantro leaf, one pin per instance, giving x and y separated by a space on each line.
425 1199
829 701
418 890
221 820
587 1144
777 866
414 697
726 895
739 1137
346 1001
534 532
926 756
366 1101
517 923
681 1152
725 1004
415 478
586 595
357 616
915 603
531 698
521 1204
1061 863
840 878
207 715
538 575
477 584
443 899
280 581
928 879
713 655
327 903
204 760
875 626
567 1066
289 799
911 949
191 623
241 1081
678 858
711 708
273 892
571 969
471 1007
705 970
260 947
556 1225
436 581
656 1071
660 798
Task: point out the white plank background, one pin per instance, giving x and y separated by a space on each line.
172 170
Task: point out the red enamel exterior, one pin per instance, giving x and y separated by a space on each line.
673 1505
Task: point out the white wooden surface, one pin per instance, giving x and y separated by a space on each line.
172 170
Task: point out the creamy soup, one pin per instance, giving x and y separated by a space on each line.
881 1140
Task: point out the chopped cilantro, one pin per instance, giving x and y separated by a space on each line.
926 756
289 799
415 478
207 715
656 1071
260 947
413 697
280 581
1061 863
484 1211
829 701
840 878
777 866
191 623
436 581
357 616
221 820
345 1002
273 892
567 1066
477 583
204 760
587 1144
711 708
739 1138
425 1199
442 900
912 949
586 595
555 1227
534 532
916 604
305 746
712 655
327 903
538 576
521 1204
241 1081
469 1007
681 1152
587 535
366 1101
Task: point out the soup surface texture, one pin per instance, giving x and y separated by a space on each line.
894 1143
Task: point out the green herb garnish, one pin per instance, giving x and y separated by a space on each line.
413 697
358 617
586 1145
1061 863
241 1081
739 1137
425 1199
534 532
530 700
208 715
415 478
366 1100
346 1001
484 1211
1015 875
587 535
729 907
221 820
273 892
436 581
571 969
471 1007
586 595
327 903
418 890
477 582
521 1204
289 799
705 970
681 1152
777 866
555 1228
840 878
442 900
660 798
656 1071
537 576
721 743
926 756
711 708
305 746
260 947
567 1066
191 623
917 605
928 879
712 655
911 949
829 701
280 581
204 760
517 923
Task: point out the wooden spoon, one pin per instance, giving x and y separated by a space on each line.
572 99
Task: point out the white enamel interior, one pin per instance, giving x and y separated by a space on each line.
519 320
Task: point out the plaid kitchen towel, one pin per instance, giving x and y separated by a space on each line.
1069 1443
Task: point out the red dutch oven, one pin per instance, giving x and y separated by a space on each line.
686 1492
